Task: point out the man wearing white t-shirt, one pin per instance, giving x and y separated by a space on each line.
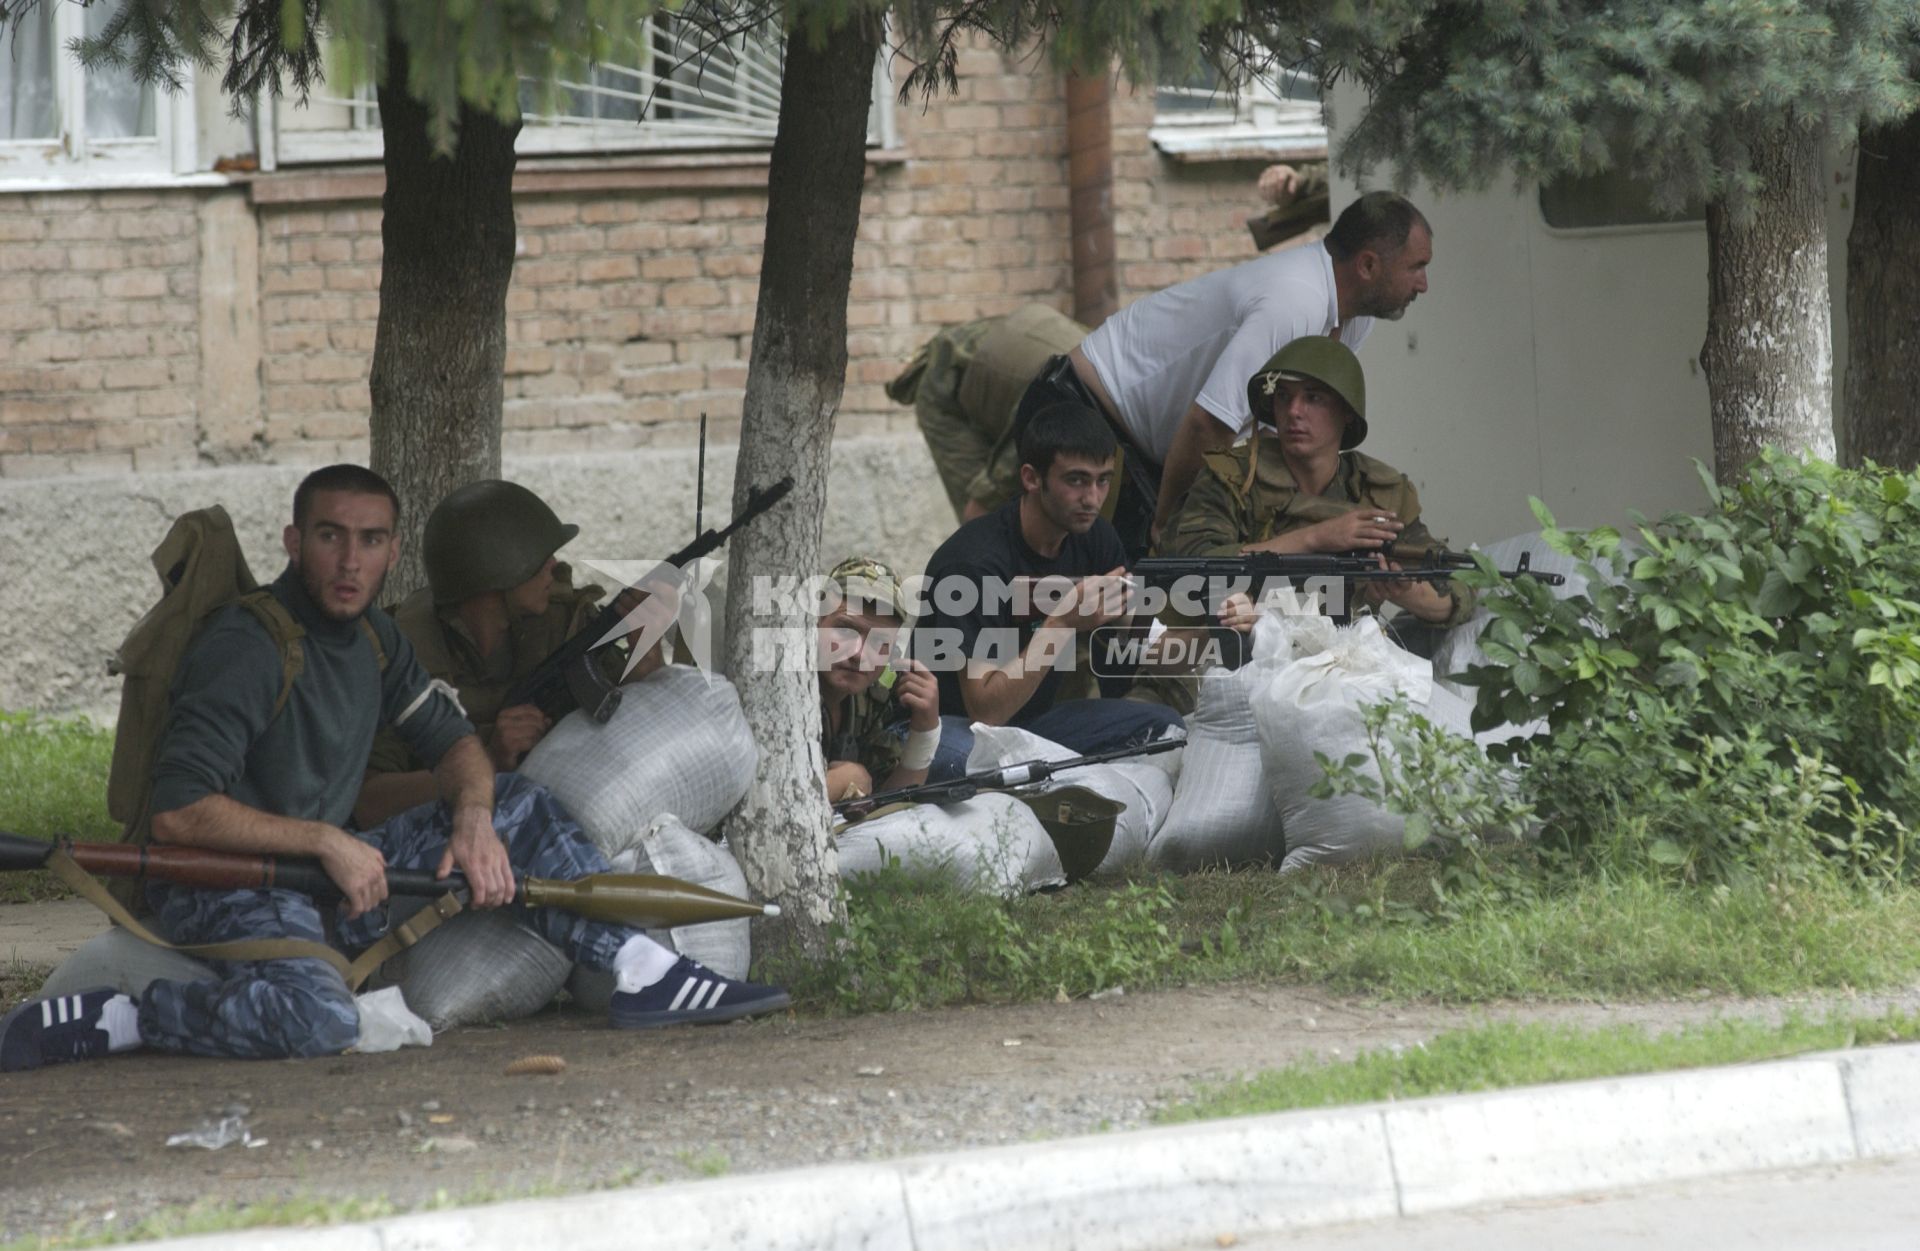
1170 370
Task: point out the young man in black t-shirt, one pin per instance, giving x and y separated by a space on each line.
1008 592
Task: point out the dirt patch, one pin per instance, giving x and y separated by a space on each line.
80 1141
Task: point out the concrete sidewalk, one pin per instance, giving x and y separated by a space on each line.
47 932
1225 1180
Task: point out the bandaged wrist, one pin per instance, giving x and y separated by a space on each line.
919 749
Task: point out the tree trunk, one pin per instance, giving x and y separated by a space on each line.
795 375
1769 349
439 350
1882 421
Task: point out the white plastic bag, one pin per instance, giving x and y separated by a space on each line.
991 843
387 1024
678 744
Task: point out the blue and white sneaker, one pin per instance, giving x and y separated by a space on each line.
68 1027
693 994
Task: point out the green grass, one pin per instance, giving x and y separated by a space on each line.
53 783
1493 1057
1380 931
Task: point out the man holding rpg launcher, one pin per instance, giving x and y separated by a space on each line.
245 765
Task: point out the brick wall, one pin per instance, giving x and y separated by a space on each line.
630 312
99 311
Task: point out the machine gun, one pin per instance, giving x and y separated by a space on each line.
1221 576
1005 778
568 678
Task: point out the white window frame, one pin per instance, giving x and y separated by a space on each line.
282 146
70 159
1257 122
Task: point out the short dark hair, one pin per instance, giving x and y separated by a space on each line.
357 479
1065 427
1379 221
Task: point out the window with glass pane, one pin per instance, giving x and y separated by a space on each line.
61 121
29 101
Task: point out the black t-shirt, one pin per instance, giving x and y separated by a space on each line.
971 607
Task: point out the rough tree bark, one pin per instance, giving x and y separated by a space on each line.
440 346
795 375
1882 421
1769 349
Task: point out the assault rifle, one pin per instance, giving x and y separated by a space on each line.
1251 570
1005 778
568 678
641 900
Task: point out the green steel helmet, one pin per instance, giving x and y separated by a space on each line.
1325 360
489 536
870 587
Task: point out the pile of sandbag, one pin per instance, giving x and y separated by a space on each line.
679 743
1223 813
1311 707
671 763
1142 788
991 843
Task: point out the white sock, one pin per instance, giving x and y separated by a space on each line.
120 1018
641 962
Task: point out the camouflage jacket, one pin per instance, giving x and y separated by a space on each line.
864 734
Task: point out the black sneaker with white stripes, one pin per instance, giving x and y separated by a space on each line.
692 994
60 1028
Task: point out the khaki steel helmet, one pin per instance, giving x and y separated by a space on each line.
1325 360
489 536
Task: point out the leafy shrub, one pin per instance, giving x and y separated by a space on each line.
1735 681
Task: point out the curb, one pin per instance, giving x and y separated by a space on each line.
1157 1188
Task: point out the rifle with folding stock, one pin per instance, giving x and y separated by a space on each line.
568 678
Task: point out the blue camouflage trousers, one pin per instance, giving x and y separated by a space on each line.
272 1009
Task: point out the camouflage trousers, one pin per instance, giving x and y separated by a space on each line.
278 1008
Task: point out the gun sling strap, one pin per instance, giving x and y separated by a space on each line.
355 971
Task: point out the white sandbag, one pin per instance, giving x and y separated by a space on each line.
1460 649
668 847
991 843
1313 705
118 959
474 968
1142 790
1223 813
678 744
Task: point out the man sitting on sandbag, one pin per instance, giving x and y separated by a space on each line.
1010 593
1300 486
872 739
495 605
263 755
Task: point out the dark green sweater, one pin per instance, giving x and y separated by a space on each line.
221 738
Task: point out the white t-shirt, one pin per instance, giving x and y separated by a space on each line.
1199 342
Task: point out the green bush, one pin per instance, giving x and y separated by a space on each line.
1740 688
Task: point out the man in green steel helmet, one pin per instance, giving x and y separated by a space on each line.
495 605
1298 484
